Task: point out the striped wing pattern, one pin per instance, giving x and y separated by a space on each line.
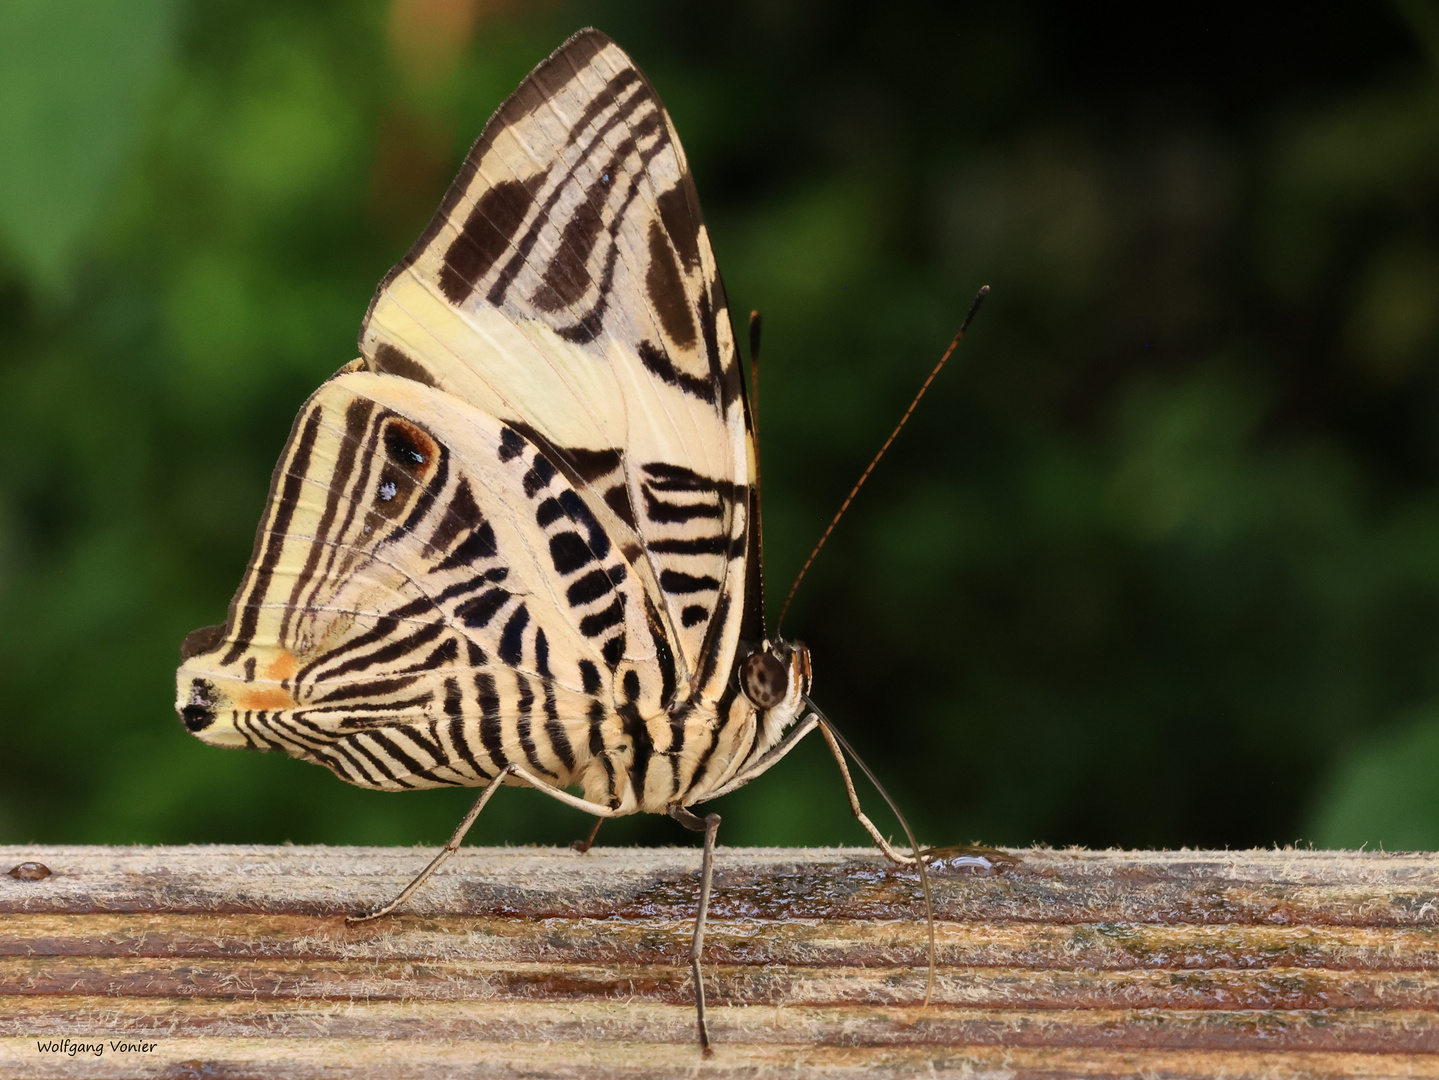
567 283
518 527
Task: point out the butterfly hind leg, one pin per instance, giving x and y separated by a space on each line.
453 844
709 825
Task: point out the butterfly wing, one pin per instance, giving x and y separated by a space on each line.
567 285
428 600
518 528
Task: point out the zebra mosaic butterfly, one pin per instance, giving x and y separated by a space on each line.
516 540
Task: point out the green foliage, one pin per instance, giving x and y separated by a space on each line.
76 77
1157 561
1386 790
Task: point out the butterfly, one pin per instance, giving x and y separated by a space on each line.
516 541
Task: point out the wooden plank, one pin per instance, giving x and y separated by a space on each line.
1040 946
634 1020
236 961
281 1058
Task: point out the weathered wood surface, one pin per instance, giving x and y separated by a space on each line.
236 962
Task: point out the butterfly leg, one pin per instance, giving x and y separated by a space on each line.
588 842
469 819
884 845
709 825
920 856
449 849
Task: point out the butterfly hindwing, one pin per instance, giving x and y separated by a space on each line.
430 599
567 284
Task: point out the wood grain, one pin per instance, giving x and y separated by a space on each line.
236 962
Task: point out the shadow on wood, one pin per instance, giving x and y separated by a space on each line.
236 961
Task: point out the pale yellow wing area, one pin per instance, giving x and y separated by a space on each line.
567 286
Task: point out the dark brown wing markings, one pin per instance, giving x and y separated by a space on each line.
667 291
524 727
356 742
658 363
589 325
525 247
549 78
641 745
491 727
567 278
664 654
462 514
605 99
365 434
371 688
724 377
390 360
559 740
274 543
597 749
357 416
511 650
583 467
533 93
679 211
485 236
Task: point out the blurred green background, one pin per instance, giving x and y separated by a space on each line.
1157 562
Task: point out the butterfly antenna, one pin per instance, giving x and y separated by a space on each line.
979 299
754 329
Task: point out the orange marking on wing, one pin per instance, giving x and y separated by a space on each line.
265 699
282 667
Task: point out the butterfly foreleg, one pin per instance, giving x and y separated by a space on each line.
884 845
709 825
458 837
837 747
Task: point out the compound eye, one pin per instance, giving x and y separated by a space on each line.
763 679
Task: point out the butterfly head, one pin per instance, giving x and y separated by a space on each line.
776 676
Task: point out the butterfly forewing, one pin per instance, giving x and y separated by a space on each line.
567 284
